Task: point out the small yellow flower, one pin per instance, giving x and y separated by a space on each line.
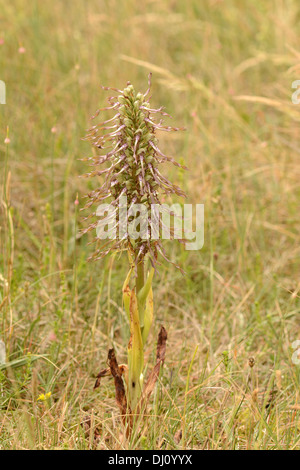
44 397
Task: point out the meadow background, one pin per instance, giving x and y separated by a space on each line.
224 70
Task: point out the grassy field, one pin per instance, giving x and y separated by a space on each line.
224 70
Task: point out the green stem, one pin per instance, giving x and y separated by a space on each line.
140 281
140 277
135 346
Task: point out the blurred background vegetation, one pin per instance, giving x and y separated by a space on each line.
224 70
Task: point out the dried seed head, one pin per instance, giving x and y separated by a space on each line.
126 147
251 362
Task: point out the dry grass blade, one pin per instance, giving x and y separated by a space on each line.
87 425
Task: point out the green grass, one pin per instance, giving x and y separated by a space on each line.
223 70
